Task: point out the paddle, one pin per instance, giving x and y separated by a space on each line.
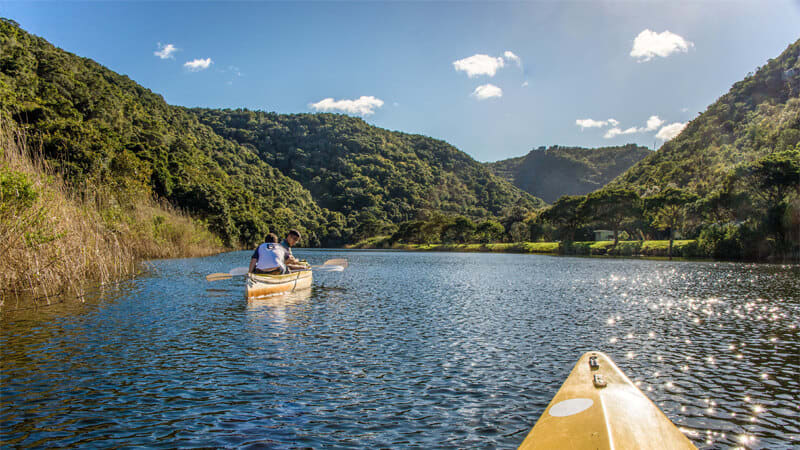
235 272
333 262
331 265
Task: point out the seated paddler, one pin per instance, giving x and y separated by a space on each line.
269 257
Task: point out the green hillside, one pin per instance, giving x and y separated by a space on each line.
759 116
244 173
369 174
96 125
549 173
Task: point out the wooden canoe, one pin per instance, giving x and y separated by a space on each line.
266 285
598 407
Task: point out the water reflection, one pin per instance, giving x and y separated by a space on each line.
402 350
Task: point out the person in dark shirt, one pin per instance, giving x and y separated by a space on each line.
292 238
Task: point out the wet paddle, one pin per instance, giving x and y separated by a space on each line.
235 272
331 265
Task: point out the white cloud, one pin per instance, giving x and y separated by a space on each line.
653 123
165 51
616 131
479 64
198 64
525 84
649 44
510 56
364 105
591 123
670 131
485 91
613 122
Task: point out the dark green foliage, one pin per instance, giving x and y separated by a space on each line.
549 173
667 210
16 192
565 214
98 126
611 208
350 166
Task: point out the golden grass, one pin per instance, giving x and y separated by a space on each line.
55 240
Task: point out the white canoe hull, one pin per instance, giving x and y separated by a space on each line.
266 285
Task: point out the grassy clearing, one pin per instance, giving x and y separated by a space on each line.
55 239
682 248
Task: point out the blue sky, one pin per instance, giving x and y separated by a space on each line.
494 79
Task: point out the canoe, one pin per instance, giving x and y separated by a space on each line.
598 407
265 285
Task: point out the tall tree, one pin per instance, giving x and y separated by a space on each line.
565 214
668 210
611 207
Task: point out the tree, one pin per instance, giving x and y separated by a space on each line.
668 210
773 177
611 207
564 214
461 230
774 180
489 231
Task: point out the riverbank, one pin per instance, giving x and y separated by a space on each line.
56 238
655 248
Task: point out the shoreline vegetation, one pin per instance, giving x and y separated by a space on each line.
685 249
56 238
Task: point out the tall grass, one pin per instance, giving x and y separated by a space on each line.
54 239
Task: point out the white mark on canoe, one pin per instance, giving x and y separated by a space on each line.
570 407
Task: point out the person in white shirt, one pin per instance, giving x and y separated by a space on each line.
269 258
272 258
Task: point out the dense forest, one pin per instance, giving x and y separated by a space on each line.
245 173
551 172
376 178
101 128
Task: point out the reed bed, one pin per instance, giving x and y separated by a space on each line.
56 240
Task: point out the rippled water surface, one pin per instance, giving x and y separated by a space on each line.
401 350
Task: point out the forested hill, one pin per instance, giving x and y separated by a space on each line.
371 175
549 173
759 116
99 126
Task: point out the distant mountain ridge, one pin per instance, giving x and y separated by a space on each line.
549 173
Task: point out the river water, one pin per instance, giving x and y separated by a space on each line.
401 350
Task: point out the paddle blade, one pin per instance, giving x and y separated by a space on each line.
336 262
218 276
329 269
236 271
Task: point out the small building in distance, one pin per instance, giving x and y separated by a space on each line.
603 235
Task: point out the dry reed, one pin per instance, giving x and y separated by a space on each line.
55 241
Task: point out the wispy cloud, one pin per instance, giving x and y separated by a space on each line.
653 123
670 131
477 65
525 83
616 131
649 44
196 65
487 91
362 106
591 123
510 56
165 51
